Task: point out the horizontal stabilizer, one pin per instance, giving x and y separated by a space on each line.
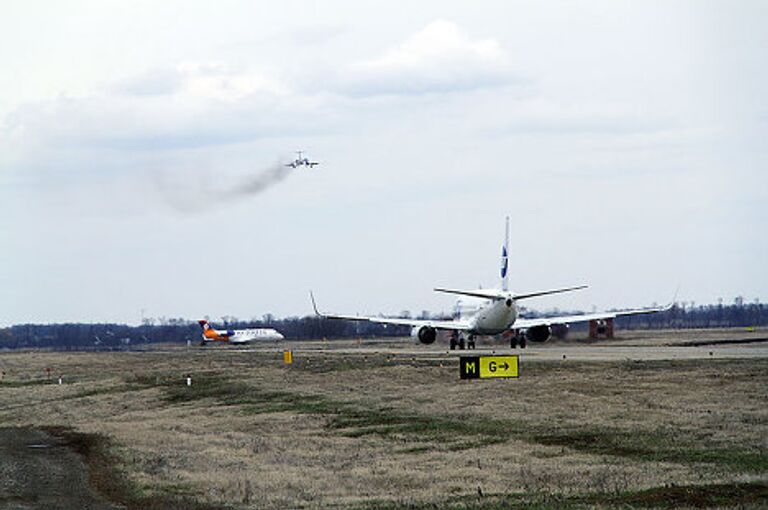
501 294
479 293
547 292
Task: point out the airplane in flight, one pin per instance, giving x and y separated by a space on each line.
500 314
237 336
301 161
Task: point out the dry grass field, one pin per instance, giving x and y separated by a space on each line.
385 429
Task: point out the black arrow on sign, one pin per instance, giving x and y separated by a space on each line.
505 366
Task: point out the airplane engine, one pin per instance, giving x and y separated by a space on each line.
538 333
424 334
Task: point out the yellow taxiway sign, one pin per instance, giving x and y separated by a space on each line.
486 367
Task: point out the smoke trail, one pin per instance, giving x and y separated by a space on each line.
263 180
200 191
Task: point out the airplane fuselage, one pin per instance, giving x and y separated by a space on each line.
240 336
495 317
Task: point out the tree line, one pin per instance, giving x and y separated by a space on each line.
169 330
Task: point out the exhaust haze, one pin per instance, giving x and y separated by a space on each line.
202 191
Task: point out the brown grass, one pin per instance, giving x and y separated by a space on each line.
383 431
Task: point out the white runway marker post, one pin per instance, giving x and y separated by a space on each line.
189 379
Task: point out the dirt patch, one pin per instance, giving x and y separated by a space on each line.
40 470
57 467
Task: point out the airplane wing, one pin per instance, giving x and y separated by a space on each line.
568 319
500 294
452 325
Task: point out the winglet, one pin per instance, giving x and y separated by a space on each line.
672 303
314 305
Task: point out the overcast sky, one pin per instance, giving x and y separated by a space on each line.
628 141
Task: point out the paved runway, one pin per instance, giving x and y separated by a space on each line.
545 352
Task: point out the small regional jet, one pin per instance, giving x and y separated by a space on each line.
499 315
237 336
301 161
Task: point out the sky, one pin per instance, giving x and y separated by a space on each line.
142 147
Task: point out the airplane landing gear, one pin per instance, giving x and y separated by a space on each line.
518 339
458 341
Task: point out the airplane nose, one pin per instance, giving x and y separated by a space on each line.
509 303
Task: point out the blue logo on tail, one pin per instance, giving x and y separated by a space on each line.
504 261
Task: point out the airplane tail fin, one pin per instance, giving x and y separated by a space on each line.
208 332
505 258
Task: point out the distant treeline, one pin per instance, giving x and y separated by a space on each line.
120 336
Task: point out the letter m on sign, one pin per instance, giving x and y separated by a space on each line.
469 367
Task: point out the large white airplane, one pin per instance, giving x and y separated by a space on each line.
498 315
237 336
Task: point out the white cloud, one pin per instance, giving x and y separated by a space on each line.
188 106
439 58
195 104
209 80
221 82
